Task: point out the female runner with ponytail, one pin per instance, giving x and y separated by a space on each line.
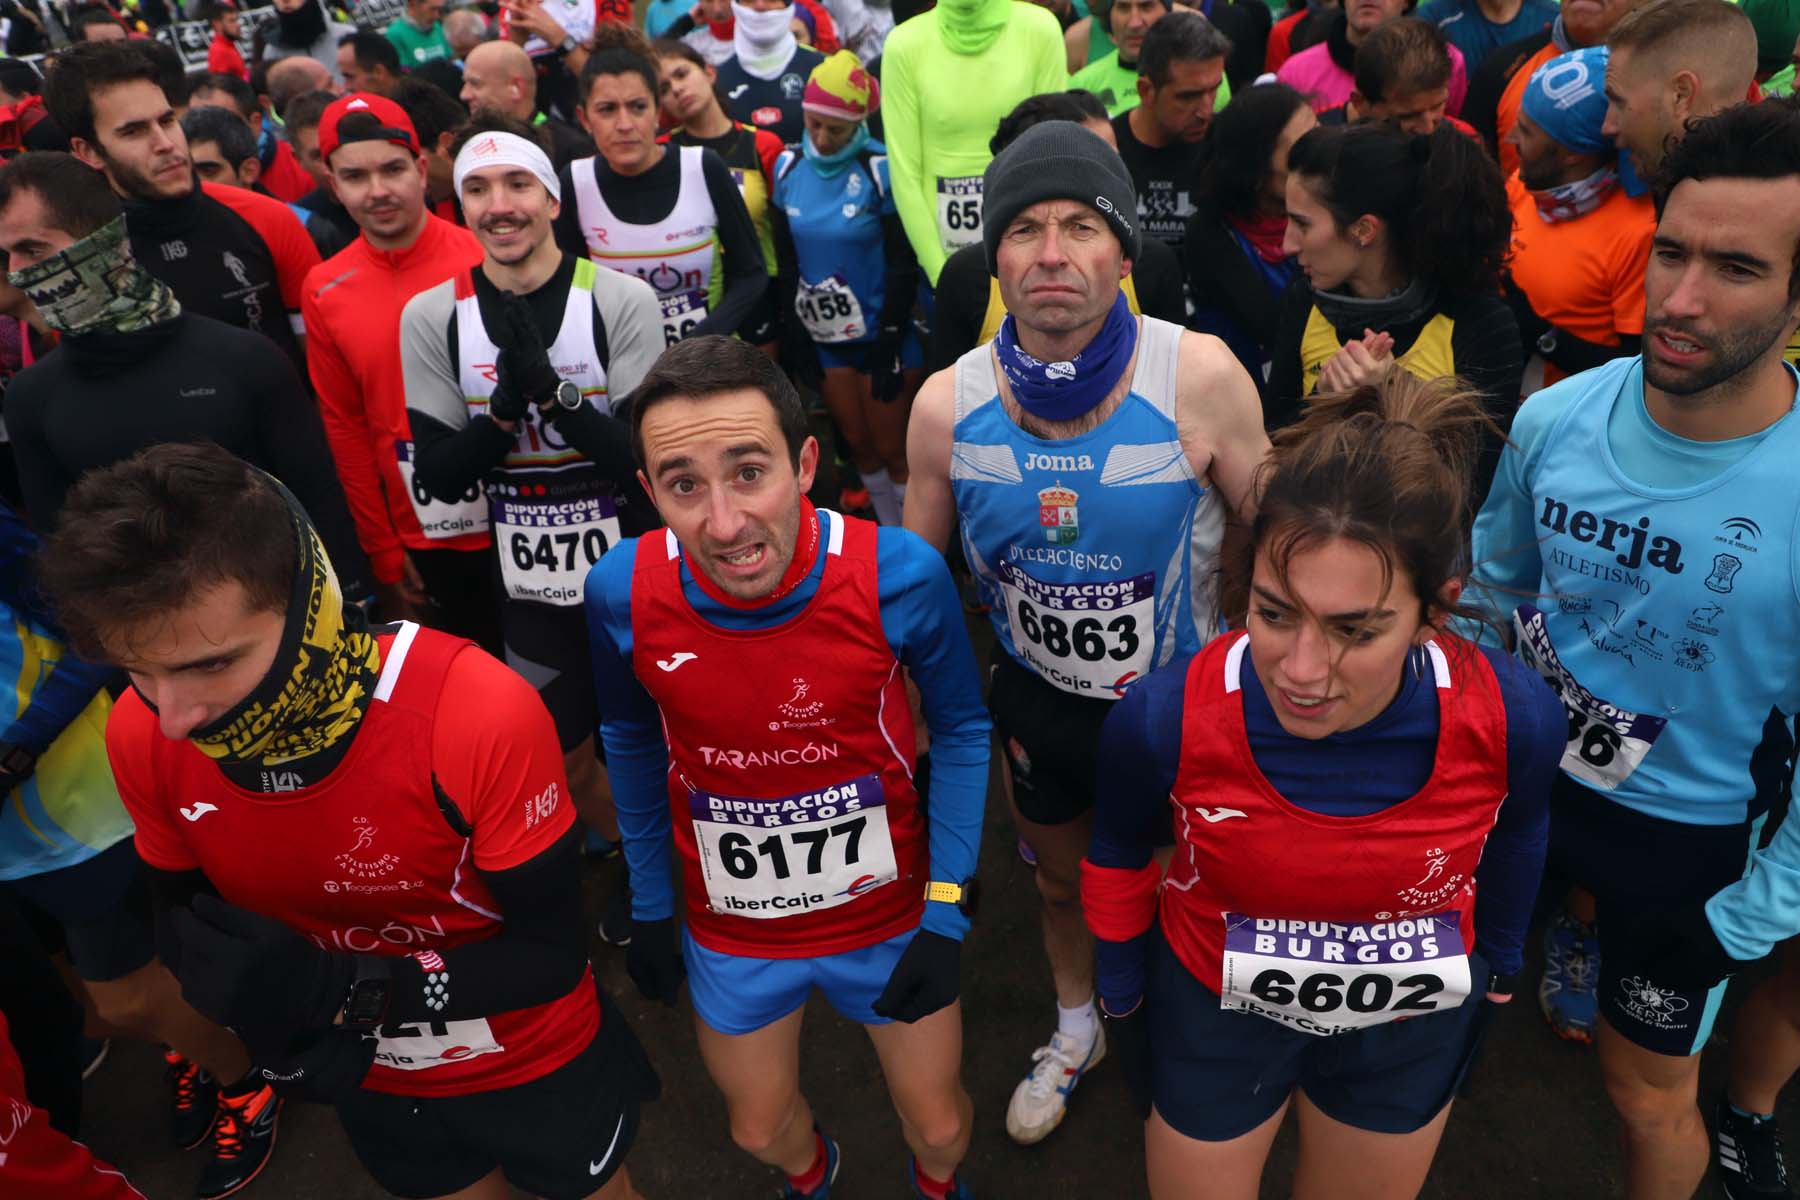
1399 238
1360 805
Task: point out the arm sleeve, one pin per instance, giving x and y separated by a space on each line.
538 955
634 334
281 231
1052 59
1632 257
1140 746
347 433
786 283
1763 908
962 297
1158 275
57 700
1512 862
602 438
1282 401
902 265
637 759
452 450
1488 355
923 620
901 126
745 273
294 444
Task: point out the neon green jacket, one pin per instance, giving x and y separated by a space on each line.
939 108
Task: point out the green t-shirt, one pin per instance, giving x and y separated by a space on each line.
418 46
1781 83
1116 86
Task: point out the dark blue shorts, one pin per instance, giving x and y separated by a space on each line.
101 906
1634 864
1217 1074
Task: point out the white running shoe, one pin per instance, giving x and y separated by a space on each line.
1042 1097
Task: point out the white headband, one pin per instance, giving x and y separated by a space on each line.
499 149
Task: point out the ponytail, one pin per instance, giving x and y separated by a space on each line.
1441 197
1388 465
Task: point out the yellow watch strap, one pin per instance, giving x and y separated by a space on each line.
947 893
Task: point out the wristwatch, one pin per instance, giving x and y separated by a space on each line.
366 1003
965 895
17 761
567 395
568 43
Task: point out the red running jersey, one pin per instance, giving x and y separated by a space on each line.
790 760
1259 885
367 861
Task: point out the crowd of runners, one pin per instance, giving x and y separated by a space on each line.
445 448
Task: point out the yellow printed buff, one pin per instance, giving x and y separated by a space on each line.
1429 357
319 687
996 307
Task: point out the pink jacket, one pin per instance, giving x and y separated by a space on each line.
1313 73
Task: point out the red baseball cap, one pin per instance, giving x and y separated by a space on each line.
387 122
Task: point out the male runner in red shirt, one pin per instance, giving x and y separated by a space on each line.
416 545
399 929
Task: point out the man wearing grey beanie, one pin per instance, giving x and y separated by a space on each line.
1088 458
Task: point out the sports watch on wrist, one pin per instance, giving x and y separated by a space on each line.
965 895
366 1003
567 394
568 43
16 761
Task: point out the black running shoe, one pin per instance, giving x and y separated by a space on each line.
243 1139
1748 1151
615 922
196 1101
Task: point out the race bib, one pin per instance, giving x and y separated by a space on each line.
440 520
420 1045
830 311
1324 978
959 212
1091 638
773 858
547 547
1606 743
680 314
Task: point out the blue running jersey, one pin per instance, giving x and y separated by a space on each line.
1667 618
1096 553
836 226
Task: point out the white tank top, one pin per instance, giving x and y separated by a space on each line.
676 255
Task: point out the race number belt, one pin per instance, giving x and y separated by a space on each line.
1090 638
681 312
422 1045
830 311
1325 978
547 547
959 212
440 520
1606 743
764 859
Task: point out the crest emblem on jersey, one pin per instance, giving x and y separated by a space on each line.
792 85
1058 516
1724 568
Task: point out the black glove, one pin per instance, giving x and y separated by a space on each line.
884 366
1531 326
1128 1040
253 973
653 962
1677 947
324 1066
523 368
927 977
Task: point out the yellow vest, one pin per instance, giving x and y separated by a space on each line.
1430 357
996 309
